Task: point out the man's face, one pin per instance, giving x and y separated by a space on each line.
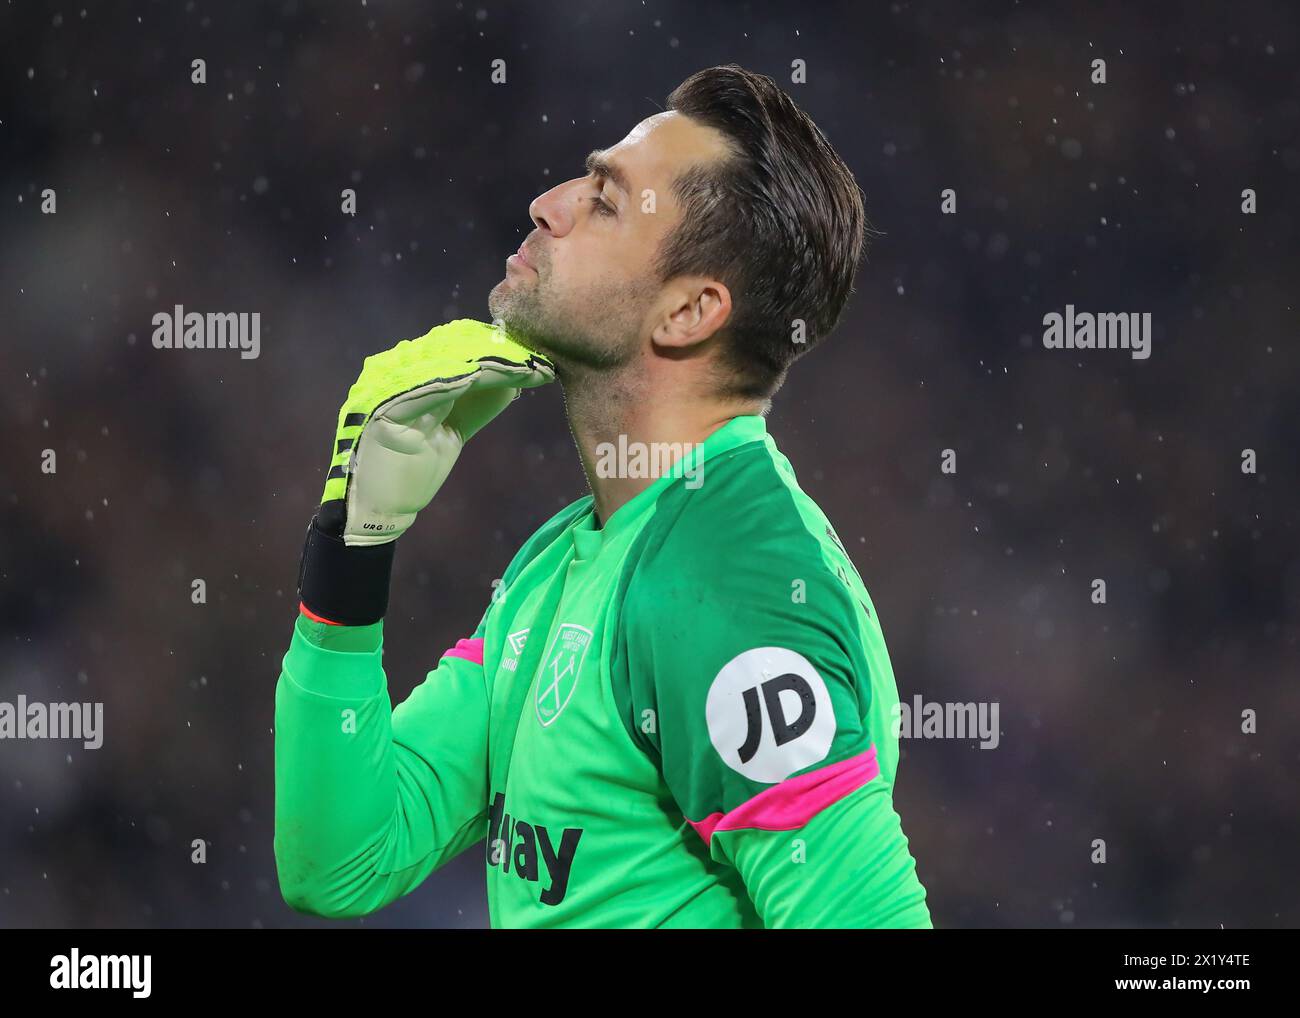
582 288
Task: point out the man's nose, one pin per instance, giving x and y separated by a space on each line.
554 211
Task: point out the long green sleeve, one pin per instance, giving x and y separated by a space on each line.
370 800
835 872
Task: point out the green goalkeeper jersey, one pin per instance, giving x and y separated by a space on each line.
681 718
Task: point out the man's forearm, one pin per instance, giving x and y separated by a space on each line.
334 781
369 802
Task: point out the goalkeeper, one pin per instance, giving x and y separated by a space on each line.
678 709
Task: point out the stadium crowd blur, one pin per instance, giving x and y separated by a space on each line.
1120 722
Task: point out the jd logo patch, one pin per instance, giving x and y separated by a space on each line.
769 714
561 666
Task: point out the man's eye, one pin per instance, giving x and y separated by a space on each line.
602 207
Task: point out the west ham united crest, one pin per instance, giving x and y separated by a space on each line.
558 676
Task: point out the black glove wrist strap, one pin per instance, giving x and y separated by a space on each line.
347 586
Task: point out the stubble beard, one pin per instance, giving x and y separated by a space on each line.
597 336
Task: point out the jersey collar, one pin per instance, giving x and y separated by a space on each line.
588 539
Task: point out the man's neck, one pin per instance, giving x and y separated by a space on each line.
619 411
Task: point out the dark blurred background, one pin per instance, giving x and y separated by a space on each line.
1120 721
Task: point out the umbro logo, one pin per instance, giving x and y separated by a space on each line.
516 642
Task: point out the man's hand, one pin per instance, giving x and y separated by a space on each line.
408 416
400 430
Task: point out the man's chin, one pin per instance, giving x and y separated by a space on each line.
527 340
501 303
503 317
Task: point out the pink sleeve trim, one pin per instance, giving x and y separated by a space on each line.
470 650
789 805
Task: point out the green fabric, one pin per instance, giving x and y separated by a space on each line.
342 638
588 740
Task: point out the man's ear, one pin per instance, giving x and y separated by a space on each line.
695 308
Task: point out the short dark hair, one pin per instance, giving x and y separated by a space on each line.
780 221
